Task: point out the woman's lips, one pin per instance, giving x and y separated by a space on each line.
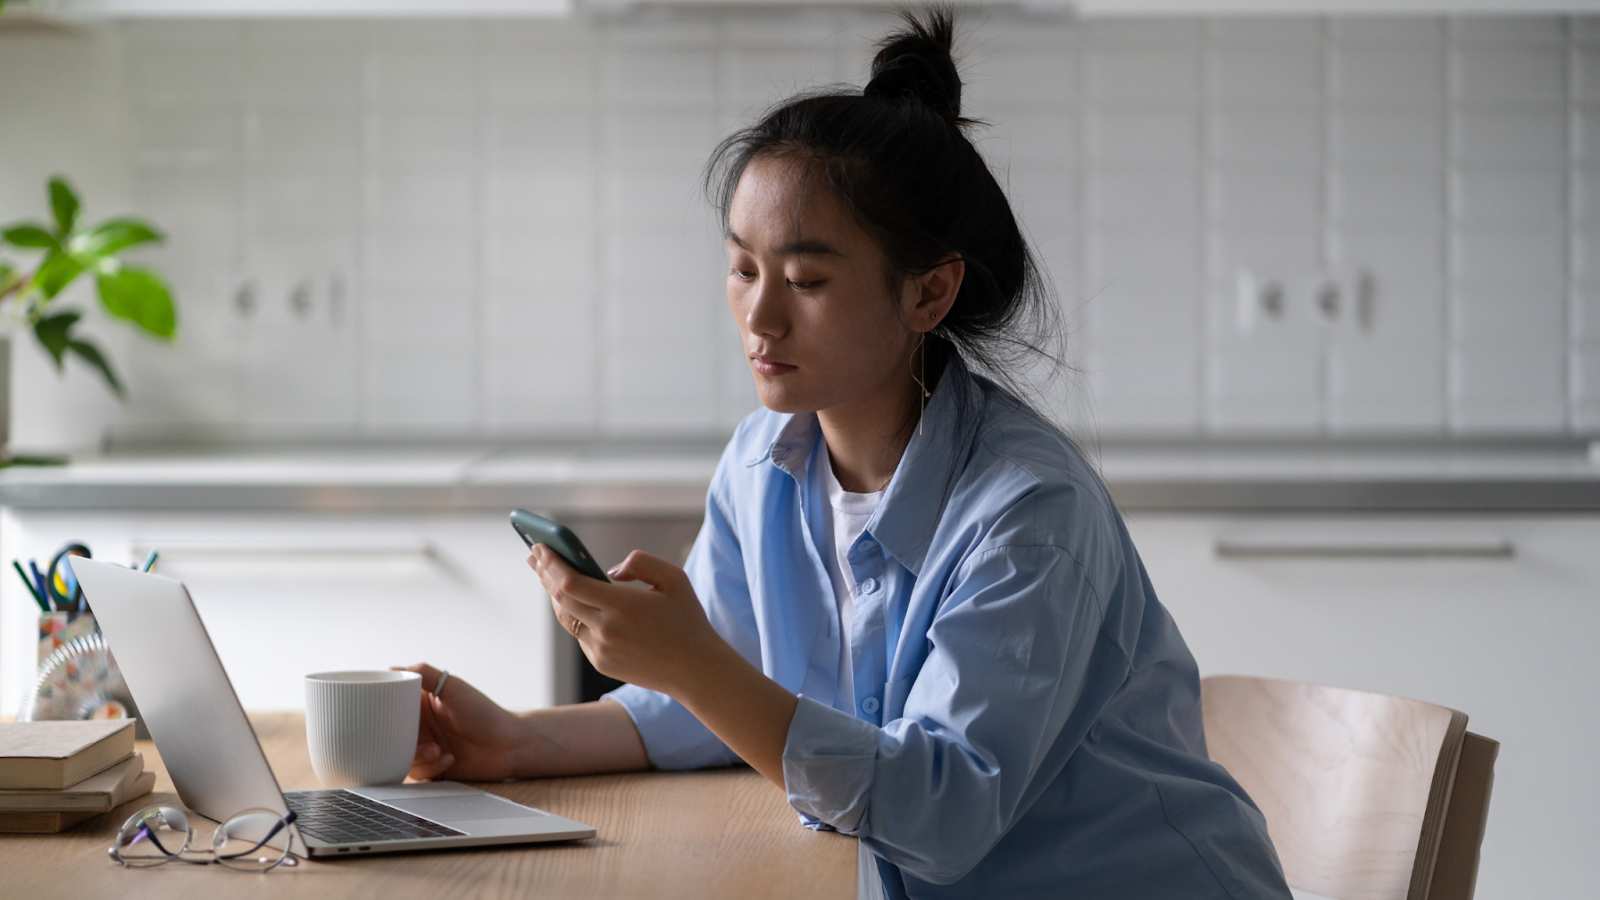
765 366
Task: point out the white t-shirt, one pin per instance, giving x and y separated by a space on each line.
848 516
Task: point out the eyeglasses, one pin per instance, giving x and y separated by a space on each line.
256 840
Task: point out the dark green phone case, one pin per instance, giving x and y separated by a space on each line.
558 537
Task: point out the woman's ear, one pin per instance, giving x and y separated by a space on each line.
934 292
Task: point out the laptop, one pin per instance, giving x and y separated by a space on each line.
216 763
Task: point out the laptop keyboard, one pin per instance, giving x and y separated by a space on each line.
342 817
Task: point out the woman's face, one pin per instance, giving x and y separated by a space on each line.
807 287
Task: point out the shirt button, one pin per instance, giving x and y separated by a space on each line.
869 545
869 705
869 585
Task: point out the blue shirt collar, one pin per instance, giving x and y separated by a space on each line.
916 495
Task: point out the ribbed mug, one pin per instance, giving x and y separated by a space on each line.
361 727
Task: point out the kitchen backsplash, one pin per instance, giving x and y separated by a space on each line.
1289 226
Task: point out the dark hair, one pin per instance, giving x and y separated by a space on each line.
899 156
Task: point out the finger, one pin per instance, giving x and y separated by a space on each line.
427 753
582 595
652 570
425 724
431 770
565 618
570 606
430 675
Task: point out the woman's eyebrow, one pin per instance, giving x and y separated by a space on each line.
807 248
792 248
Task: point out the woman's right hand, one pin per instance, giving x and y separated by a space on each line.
463 735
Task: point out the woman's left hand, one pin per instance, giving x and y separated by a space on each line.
651 638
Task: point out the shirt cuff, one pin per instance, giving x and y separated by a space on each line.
673 737
828 760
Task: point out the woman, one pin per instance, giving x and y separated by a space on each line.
912 606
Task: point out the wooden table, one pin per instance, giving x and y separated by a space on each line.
721 833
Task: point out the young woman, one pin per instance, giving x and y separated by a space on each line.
913 606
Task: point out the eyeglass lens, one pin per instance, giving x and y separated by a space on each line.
255 840
151 837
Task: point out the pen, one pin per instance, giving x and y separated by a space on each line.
32 591
149 561
38 579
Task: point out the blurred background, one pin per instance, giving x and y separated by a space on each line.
408 228
1330 269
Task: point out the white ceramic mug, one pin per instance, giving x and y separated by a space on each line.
362 726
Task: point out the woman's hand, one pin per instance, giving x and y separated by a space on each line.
463 734
661 639
652 638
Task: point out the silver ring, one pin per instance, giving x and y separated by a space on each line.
444 675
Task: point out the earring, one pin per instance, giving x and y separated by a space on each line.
921 379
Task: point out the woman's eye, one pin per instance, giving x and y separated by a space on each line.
803 285
741 274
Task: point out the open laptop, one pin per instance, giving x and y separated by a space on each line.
216 763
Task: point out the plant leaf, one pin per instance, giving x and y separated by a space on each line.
8 278
55 332
91 354
30 234
56 272
139 295
64 203
116 235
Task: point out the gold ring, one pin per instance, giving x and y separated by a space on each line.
576 624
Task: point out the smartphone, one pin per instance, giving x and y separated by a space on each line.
558 537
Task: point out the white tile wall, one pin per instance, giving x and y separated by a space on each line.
496 229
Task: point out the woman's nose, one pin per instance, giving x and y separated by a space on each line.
764 313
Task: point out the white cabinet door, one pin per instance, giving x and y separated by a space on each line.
1431 608
302 8
1315 7
286 595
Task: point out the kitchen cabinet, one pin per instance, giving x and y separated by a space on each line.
1495 615
1318 7
287 594
133 9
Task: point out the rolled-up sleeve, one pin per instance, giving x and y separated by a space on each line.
673 737
1013 647
827 764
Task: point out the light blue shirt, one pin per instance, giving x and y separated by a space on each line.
1027 717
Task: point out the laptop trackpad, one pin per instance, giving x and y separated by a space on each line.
474 807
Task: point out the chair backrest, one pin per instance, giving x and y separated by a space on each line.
1455 869
1355 786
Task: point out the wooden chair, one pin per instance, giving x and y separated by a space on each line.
1366 796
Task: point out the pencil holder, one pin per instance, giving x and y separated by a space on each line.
77 678
58 628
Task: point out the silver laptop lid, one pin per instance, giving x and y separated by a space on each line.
183 693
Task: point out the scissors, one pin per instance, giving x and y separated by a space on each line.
62 584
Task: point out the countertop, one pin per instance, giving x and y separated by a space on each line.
670 476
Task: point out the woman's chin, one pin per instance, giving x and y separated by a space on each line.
781 400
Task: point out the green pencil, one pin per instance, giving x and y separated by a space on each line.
32 592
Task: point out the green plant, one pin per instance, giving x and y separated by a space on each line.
131 292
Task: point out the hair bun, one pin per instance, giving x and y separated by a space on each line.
917 63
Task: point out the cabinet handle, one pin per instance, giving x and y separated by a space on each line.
1490 549
369 553
280 551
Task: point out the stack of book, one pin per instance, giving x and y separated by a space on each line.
54 775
